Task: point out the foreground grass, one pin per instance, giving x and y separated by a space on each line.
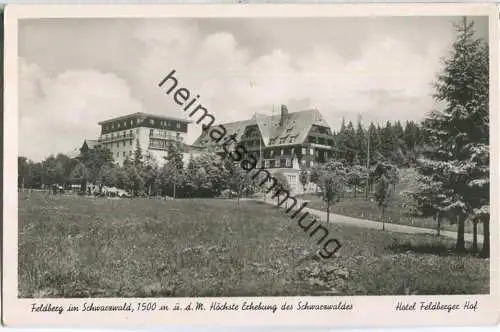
88 247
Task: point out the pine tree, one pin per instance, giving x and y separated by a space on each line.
138 155
350 143
361 141
375 142
459 135
388 140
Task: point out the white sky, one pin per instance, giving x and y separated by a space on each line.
76 72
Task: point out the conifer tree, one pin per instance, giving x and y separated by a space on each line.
459 135
361 143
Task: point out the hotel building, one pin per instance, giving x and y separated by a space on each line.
153 133
284 142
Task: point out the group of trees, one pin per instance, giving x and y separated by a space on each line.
393 142
206 175
454 168
336 178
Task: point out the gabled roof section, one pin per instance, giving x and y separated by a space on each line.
293 128
231 128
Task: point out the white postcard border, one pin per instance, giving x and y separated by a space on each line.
374 311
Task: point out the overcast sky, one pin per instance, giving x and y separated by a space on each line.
76 72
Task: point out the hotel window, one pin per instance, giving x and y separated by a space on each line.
123 154
130 142
137 121
282 163
112 126
118 124
118 154
282 151
151 121
271 153
151 132
178 125
124 143
304 152
124 124
311 152
272 163
131 122
288 162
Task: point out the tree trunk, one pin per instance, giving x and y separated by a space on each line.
383 218
438 225
474 234
174 190
238 198
328 211
355 190
486 234
461 233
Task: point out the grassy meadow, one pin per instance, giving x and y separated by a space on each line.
95 247
395 213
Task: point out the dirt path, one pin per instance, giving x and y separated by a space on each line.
357 222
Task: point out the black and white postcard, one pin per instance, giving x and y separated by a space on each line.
295 165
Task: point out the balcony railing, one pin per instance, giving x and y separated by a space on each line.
166 137
125 136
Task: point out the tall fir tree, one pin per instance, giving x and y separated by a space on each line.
459 135
361 143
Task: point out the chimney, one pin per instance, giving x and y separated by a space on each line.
284 113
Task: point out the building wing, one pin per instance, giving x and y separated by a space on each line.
276 130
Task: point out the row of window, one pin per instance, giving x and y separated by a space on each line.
129 123
283 140
164 134
130 133
123 143
319 140
288 151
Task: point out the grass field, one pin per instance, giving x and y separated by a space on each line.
90 247
395 213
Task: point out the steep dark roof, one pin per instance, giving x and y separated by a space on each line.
293 130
